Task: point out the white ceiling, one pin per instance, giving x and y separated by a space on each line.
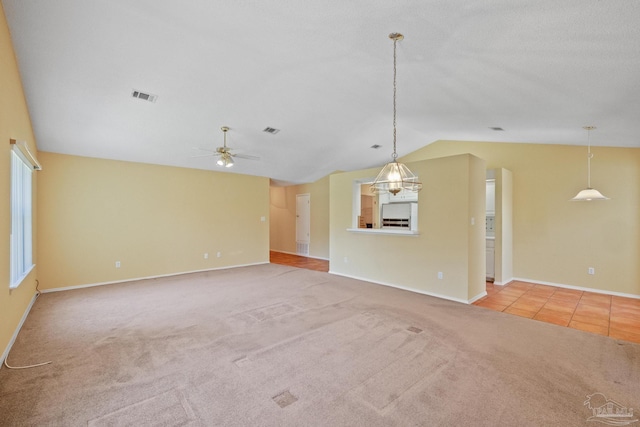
321 72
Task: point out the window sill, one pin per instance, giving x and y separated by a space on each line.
18 282
385 231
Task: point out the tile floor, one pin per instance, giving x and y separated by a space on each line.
298 261
613 316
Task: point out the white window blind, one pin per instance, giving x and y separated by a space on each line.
21 250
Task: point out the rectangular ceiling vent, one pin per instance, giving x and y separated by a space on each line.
272 131
496 129
144 96
376 146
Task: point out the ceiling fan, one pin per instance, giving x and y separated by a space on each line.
224 154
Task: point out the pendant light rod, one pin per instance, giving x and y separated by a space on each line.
589 155
589 193
395 37
225 129
395 177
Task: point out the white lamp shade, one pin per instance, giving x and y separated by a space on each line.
589 194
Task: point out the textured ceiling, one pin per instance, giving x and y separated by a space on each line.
321 72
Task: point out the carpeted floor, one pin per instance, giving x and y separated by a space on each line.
272 345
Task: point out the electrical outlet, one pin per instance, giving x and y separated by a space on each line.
440 275
219 254
117 264
206 255
591 271
346 260
263 218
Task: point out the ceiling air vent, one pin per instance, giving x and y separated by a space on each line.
144 96
272 131
496 129
376 146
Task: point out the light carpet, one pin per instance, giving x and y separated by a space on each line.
272 345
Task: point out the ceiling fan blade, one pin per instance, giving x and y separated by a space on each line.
245 156
206 155
204 149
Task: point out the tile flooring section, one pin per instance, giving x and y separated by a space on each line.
613 316
298 261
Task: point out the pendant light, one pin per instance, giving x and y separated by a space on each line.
589 193
395 177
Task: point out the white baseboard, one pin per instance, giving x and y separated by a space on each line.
17 331
504 282
90 285
577 288
418 291
477 297
293 253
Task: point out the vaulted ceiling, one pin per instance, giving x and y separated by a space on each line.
321 73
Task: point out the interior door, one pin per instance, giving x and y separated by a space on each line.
303 223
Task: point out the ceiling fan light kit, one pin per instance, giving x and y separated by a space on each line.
589 194
225 157
224 154
395 177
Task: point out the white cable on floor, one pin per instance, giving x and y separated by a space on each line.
29 366
23 367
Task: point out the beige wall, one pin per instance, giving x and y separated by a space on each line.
14 124
155 220
452 194
554 240
283 217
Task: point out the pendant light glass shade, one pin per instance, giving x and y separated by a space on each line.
395 177
589 193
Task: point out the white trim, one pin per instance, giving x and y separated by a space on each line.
91 285
17 331
20 279
22 219
22 149
293 253
418 291
506 282
384 231
578 288
477 297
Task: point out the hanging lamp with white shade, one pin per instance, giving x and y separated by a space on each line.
395 177
589 193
